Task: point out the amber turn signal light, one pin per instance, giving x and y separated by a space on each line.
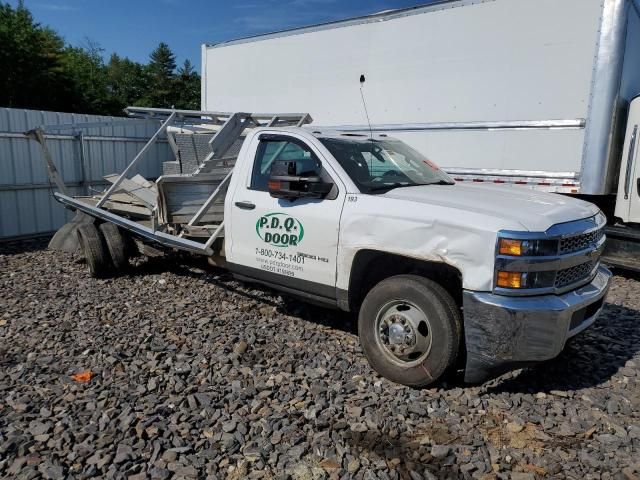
510 247
509 279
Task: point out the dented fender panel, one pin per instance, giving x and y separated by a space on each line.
463 239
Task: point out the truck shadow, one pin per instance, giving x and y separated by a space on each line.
589 359
287 304
409 454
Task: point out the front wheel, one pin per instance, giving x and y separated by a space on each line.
410 329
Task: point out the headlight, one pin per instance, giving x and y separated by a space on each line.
527 248
511 279
519 280
511 247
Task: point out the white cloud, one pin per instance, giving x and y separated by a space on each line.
56 7
278 20
306 3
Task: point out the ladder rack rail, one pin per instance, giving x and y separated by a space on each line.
230 128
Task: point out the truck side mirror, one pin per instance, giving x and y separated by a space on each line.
284 182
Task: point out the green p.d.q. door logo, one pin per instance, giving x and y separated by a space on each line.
280 230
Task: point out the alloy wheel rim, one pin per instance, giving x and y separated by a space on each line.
403 332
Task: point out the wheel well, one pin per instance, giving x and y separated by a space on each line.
370 267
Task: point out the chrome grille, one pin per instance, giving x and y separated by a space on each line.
563 257
580 242
574 274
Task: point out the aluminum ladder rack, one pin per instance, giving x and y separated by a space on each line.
208 182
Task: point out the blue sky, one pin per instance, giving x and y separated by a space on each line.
133 28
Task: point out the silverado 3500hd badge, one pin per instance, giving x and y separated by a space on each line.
280 230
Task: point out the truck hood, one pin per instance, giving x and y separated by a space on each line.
535 211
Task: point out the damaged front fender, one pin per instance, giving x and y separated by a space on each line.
461 239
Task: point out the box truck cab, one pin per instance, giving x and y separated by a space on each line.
627 207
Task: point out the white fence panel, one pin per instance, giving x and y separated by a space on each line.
83 158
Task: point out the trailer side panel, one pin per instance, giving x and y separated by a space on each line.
488 62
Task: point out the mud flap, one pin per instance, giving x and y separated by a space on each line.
66 238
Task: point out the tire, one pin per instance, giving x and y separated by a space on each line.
95 251
116 245
410 330
65 239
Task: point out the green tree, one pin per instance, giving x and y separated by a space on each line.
161 70
38 71
31 62
187 87
126 83
85 69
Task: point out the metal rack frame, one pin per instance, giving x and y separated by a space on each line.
231 127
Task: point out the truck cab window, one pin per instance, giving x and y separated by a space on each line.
269 151
377 165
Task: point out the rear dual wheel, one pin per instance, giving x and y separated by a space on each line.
116 244
410 330
104 248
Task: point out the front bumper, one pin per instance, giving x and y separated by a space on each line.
503 333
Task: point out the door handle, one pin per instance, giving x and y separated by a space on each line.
631 157
245 205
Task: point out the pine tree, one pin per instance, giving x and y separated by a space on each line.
187 70
30 62
85 68
127 83
161 71
187 87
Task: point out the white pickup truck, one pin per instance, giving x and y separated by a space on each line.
442 275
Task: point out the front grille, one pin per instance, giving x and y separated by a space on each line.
580 242
574 274
564 257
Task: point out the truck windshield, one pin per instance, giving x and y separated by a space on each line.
379 165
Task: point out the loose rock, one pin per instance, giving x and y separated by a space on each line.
200 376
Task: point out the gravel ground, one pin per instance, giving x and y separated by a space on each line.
197 376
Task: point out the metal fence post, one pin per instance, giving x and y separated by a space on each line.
83 163
38 135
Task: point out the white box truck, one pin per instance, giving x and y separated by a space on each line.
529 93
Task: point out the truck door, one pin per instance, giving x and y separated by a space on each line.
290 243
628 197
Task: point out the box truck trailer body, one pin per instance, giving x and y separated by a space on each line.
518 88
533 93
